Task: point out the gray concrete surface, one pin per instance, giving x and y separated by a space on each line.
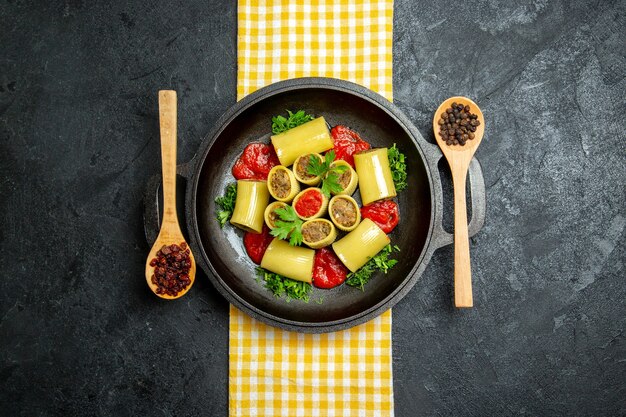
80 333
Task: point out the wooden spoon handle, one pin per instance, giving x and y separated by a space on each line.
168 121
462 265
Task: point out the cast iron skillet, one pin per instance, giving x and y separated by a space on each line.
220 252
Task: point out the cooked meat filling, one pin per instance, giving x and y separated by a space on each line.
302 167
315 231
344 212
344 179
273 216
281 184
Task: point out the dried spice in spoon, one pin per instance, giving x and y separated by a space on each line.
457 124
171 269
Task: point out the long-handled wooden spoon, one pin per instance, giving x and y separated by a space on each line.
459 158
170 232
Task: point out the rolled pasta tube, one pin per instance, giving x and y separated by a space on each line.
318 233
310 203
282 184
310 137
375 180
360 245
270 216
292 262
252 199
348 179
300 167
344 211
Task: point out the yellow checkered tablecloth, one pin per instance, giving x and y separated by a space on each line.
279 40
274 372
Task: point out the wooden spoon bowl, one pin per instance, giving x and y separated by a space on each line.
168 239
478 134
170 232
459 158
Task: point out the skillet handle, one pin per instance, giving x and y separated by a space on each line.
152 202
478 198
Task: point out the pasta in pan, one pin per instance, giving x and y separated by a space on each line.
282 184
290 261
310 203
311 137
300 169
360 245
270 215
252 198
375 179
348 179
318 233
344 212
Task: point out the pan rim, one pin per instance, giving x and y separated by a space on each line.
191 203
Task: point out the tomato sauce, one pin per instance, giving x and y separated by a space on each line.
347 143
256 244
328 271
309 204
255 162
384 213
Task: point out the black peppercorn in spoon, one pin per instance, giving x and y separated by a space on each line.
459 148
170 233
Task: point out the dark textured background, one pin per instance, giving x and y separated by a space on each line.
81 334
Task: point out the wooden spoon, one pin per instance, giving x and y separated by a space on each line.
170 229
459 158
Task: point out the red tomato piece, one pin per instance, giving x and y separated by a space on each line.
309 204
242 172
256 244
328 271
255 162
384 213
346 143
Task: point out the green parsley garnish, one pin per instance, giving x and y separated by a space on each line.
227 204
330 175
398 167
282 286
380 262
289 226
281 123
